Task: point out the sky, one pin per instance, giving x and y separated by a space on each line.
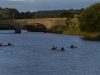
36 5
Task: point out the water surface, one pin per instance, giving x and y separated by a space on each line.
32 55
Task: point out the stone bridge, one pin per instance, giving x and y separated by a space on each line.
47 22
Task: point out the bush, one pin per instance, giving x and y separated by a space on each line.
90 19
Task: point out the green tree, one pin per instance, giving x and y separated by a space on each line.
90 18
69 13
13 13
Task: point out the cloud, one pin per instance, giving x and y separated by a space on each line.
33 5
16 0
20 0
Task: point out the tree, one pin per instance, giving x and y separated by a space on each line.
68 13
13 13
90 18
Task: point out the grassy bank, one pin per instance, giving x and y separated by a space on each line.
93 36
86 36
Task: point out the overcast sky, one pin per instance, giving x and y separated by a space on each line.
35 5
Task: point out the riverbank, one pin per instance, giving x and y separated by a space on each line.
92 36
86 35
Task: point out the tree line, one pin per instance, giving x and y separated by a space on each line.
11 13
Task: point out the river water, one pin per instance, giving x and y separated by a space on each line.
32 54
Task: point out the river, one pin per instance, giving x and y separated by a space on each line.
32 54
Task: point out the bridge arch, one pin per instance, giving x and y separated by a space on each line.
36 27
